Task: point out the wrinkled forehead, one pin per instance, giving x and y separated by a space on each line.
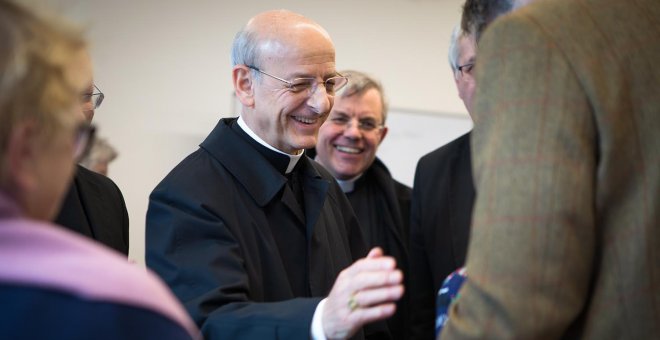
368 101
302 52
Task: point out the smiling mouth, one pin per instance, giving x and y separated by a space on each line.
347 149
305 120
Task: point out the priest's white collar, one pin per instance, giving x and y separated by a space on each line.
348 185
293 159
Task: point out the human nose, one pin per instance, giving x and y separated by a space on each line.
319 100
352 129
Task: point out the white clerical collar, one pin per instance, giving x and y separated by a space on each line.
293 159
348 185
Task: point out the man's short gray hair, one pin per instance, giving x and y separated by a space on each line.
359 83
454 48
245 50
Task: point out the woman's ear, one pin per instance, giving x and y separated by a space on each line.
243 81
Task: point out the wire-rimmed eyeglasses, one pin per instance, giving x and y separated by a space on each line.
95 98
332 84
364 125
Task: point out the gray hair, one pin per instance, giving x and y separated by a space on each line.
454 50
245 50
359 83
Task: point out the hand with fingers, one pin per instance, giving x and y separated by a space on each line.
364 292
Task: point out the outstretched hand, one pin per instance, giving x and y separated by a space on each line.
364 292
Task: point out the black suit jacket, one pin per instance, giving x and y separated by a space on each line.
95 207
382 206
225 232
443 195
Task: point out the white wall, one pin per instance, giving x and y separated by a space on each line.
164 66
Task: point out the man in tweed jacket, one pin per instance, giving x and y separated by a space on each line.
566 153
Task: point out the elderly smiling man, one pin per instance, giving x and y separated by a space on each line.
256 239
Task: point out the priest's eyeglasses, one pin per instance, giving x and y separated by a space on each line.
332 84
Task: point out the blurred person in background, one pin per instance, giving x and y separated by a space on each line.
442 199
99 156
94 206
444 192
55 284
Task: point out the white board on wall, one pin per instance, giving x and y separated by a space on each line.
413 134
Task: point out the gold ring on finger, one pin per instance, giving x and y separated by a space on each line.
352 303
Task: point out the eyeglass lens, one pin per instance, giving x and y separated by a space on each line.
365 125
332 85
95 99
